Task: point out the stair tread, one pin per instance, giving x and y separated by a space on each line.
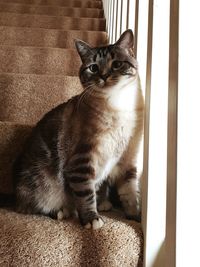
51 22
70 3
39 60
119 241
23 92
47 16
24 36
51 10
40 76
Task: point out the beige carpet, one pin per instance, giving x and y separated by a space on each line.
38 70
41 241
51 10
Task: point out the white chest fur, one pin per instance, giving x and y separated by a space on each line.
107 168
123 96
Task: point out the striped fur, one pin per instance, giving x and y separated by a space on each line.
87 143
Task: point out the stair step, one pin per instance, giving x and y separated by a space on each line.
38 60
69 3
51 22
28 240
51 10
12 137
22 36
25 98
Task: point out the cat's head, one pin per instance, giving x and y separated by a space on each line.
105 66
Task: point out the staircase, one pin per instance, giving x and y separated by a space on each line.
38 70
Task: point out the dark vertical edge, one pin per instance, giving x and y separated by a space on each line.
136 26
146 124
121 14
110 18
116 26
172 135
127 14
113 19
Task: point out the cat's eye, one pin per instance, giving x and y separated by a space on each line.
117 64
94 68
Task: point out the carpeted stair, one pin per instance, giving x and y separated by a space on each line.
38 70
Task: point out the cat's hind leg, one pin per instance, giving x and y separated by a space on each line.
128 190
105 205
103 202
60 214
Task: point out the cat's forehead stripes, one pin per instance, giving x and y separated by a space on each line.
103 53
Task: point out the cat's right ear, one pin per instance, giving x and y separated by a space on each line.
126 40
83 49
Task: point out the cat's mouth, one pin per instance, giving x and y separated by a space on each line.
108 82
101 83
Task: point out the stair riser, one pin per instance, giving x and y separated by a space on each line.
47 22
39 60
26 98
69 3
48 38
52 10
12 138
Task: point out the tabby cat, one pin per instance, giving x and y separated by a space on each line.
86 142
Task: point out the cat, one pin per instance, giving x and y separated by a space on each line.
88 142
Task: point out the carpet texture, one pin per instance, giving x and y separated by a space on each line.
38 71
51 22
68 3
22 36
52 10
40 60
42 242
22 93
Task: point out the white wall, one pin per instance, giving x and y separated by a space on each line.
155 161
188 186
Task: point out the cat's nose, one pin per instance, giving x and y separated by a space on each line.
105 76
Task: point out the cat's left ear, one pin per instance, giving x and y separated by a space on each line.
126 40
83 49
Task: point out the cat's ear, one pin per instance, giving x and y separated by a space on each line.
126 40
83 49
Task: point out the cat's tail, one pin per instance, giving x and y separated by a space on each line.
7 200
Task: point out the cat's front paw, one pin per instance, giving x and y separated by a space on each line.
91 220
95 224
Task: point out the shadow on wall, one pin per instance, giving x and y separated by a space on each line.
160 258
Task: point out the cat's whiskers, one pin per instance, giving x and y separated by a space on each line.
92 91
96 93
82 96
